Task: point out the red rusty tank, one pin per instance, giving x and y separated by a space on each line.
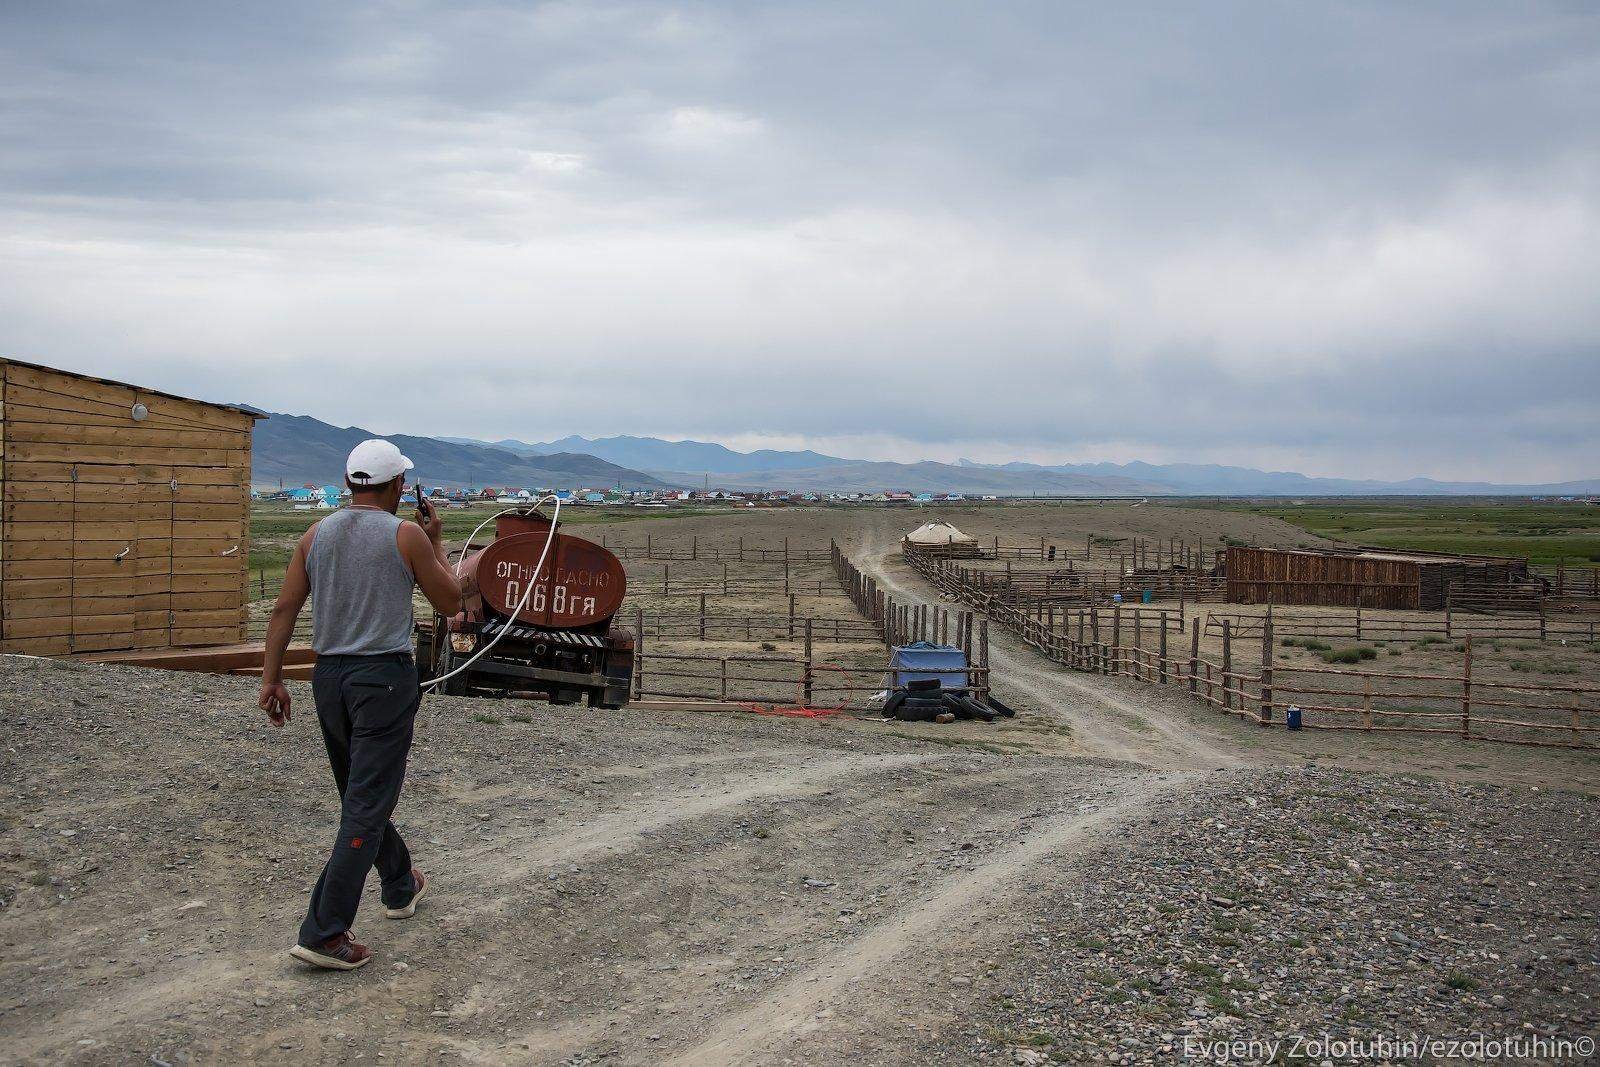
560 644
581 586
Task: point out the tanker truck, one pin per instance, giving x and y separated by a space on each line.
559 645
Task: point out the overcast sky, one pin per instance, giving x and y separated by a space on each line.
1342 238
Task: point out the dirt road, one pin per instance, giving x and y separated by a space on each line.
631 886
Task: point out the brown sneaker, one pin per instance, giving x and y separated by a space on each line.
411 906
338 953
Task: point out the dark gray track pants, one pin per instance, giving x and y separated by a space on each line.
367 706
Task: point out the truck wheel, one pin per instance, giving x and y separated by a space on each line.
457 686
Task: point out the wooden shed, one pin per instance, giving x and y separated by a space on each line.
125 520
1368 578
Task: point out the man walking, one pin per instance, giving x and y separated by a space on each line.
358 566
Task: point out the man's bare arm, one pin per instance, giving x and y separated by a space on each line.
422 547
280 630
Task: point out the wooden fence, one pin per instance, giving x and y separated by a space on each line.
1577 583
902 624
1129 552
1325 698
760 677
1065 585
1359 624
705 626
795 681
694 550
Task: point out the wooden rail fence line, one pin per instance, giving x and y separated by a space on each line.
761 677
1130 552
1519 713
742 553
1365 625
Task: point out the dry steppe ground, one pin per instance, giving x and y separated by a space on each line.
1118 875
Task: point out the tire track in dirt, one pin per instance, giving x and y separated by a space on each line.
630 830
789 1011
693 978
478 898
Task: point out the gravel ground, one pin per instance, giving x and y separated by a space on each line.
1283 903
646 887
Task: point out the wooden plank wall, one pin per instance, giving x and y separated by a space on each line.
1264 575
116 533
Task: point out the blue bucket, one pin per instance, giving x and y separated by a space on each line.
1292 718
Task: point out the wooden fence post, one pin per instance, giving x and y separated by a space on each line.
1366 702
638 653
1227 665
983 657
1466 687
1094 637
1194 657
702 616
1265 716
1116 639
807 676
791 616
1138 645
694 547
1163 648
666 579
724 679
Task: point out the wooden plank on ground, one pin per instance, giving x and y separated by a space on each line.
221 658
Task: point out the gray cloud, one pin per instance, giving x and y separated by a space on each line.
1356 239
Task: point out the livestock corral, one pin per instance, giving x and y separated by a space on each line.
1505 655
1126 872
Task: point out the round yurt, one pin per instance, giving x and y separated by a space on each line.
942 538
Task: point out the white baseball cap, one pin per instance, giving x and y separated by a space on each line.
375 462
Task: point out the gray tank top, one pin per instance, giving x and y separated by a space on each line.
360 587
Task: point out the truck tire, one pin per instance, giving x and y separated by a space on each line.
457 686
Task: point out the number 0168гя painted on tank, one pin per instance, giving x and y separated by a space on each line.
560 644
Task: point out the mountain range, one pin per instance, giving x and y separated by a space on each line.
654 454
1210 479
293 449
298 448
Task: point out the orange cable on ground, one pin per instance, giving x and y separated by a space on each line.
798 711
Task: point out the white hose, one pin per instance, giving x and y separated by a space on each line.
548 541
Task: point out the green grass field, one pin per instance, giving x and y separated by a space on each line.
1544 533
